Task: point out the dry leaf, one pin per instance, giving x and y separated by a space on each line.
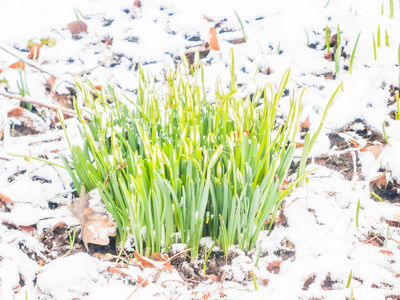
381 180
374 149
237 41
274 266
299 144
354 143
329 75
58 225
387 252
97 225
34 51
116 270
50 84
5 198
26 122
147 263
213 39
77 28
6 204
305 125
18 65
308 280
213 277
142 281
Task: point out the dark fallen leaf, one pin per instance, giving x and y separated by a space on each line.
77 28
96 224
274 267
237 41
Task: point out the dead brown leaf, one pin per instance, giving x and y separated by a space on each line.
96 226
77 28
34 51
374 149
142 281
274 267
308 280
50 84
237 41
381 180
212 35
305 125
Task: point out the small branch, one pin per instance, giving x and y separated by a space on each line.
52 107
32 64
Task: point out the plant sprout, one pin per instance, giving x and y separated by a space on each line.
357 212
374 45
353 53
241 26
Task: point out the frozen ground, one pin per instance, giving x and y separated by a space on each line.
315 247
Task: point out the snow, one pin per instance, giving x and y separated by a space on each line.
321 216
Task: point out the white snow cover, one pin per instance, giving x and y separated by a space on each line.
321 217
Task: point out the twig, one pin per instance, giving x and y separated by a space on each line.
32 64
52 107
158 269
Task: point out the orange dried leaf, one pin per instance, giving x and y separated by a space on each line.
213 277
5 198
58 225
28 229
206 295
147 263
213 39
387 252
299 144
306 123
18 65
115 270
50 83
142 281
274 266
354 143
34 51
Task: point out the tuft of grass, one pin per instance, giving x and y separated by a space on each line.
178 167
374 45
386 236
353 53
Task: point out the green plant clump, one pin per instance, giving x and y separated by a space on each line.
181 167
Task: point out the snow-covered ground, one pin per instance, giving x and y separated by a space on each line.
309 255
